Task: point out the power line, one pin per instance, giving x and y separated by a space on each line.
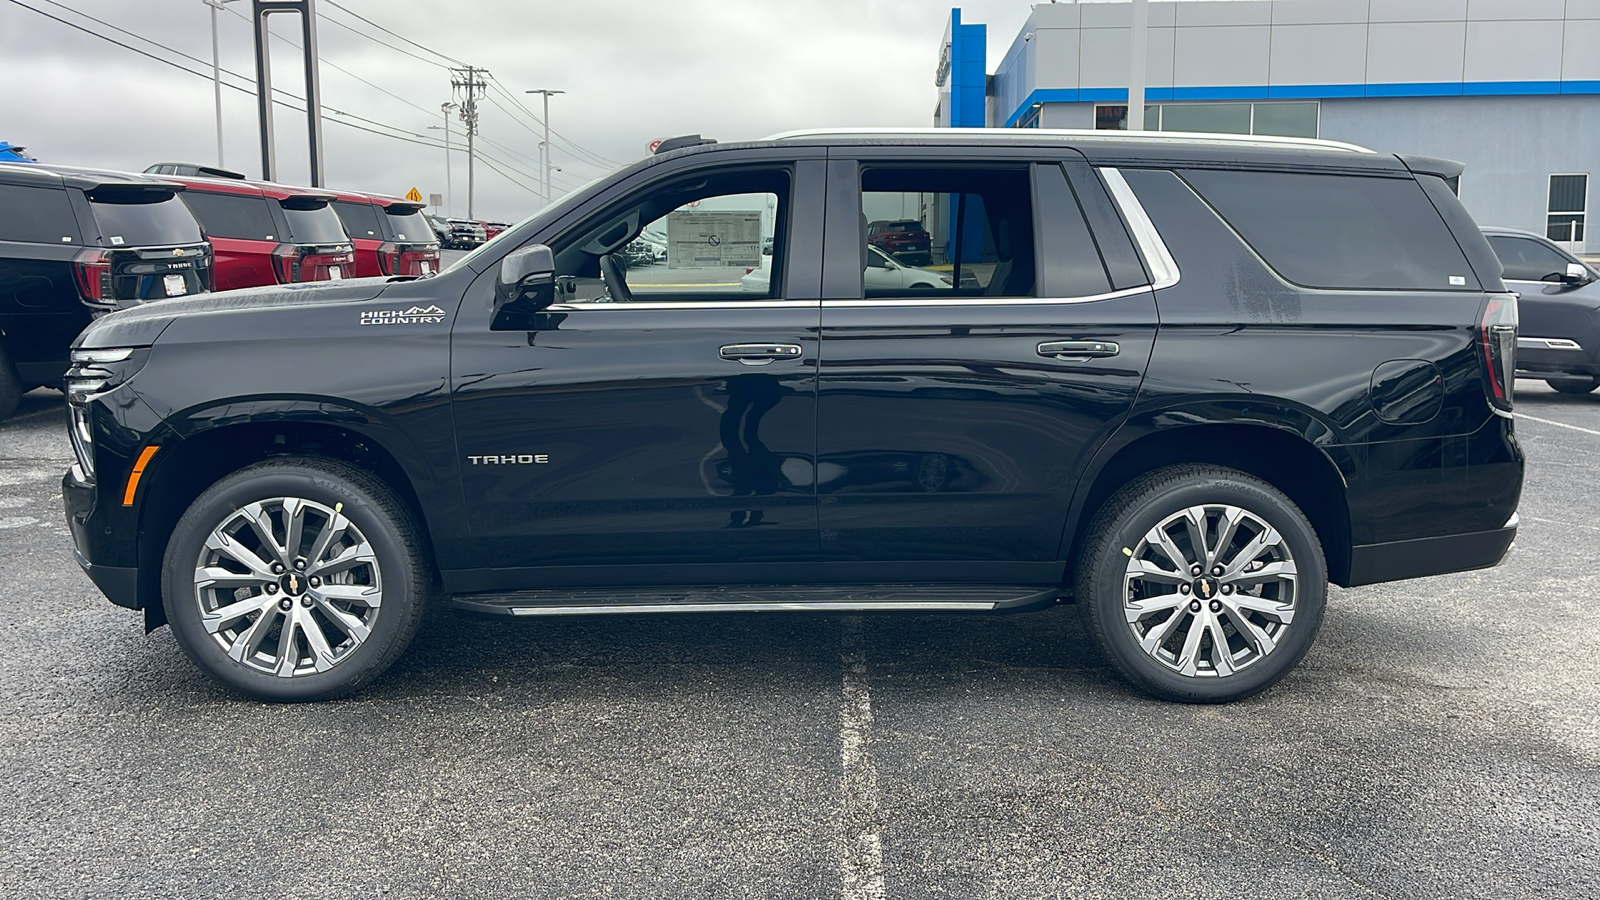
347 11
414 138
369 37
601 166
574 147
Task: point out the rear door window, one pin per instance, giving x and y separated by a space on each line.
1526 259
129 219
1340 232
947 231
37 216
360 219
315 226
238 216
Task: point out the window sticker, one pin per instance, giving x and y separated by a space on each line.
116 240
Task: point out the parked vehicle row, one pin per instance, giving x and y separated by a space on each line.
77 241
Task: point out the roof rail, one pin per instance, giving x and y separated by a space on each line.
666 145
1021 134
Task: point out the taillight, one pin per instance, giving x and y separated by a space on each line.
286 263
1497 336
92 270
388 259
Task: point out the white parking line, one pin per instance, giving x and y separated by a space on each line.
1558 424
861 866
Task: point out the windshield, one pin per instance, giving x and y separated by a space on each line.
544 216
315 226
411 227
138 224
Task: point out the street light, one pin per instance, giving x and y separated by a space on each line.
544 146
216 72
449 203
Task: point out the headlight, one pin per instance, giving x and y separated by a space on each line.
93 372
82 431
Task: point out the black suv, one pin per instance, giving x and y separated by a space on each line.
1184 384
76 239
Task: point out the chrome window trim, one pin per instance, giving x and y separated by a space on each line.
981 302
1539 343
687 304
1164 271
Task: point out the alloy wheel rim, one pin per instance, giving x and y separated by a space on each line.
1210 590
288 586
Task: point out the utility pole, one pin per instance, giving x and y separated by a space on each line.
448 200
544 146
472 81
1138 49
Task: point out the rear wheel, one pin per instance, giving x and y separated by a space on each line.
11 388
1578 385
1202 584
294 580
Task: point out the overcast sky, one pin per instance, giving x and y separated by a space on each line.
633 70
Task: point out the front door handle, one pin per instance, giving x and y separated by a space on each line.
759 354
1079 349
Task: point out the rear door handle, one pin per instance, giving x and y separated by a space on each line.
1079 349
759 354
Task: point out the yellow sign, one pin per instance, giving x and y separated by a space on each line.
414 195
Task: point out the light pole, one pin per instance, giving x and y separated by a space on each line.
544 146
216 73
449 203
1138 49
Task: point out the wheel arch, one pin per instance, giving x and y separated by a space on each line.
1307 473
204 449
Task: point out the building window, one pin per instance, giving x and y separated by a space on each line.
1292 119
1569 201
1030 119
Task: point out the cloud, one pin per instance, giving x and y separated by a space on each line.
632 71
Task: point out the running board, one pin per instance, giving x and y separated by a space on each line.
760 598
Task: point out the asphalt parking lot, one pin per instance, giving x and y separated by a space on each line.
1441 740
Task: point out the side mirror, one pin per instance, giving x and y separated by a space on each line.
1576 274
527 279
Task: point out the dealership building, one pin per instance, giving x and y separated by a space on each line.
1509 87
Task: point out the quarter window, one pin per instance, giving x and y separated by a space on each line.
360 219
238 216
37 216
1340 231
947 232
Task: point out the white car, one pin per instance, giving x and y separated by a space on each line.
883 271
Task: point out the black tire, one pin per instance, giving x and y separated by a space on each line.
1575 385
1122 525
922 284
399 570
11 387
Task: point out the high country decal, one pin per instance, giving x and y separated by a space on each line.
416 315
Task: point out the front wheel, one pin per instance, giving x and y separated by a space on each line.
1202 584
1575 385
293 580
